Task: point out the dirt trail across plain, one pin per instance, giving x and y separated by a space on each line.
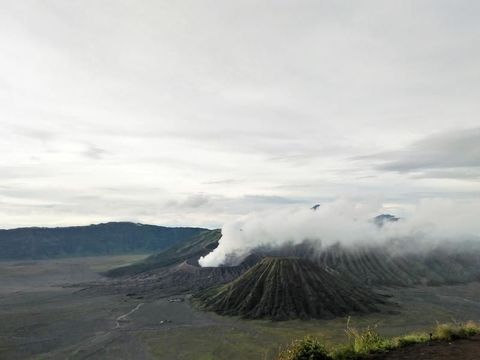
124 317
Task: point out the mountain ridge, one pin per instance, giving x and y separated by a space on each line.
110 238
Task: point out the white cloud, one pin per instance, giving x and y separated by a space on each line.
277 97
429 224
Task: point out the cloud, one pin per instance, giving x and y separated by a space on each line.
430 223
38 134
185 96
454 154
222 182
190 202
23 172
94 152
196 200
462 173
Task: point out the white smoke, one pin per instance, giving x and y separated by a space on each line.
429 223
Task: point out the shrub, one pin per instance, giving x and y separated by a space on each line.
411 339
368 340
345 352
471 328
449 332
305 349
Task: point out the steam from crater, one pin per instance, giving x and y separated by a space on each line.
430 223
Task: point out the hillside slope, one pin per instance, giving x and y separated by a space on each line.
101 239
382 267
189 251
289 288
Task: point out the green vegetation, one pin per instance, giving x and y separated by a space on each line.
113 238
198 245
305 349
368 341
455 331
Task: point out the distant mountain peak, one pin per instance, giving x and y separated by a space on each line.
381 219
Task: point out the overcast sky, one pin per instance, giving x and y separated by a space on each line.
195 112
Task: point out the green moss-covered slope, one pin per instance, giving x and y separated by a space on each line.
102 239
190 251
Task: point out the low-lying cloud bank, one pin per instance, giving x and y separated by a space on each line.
427 225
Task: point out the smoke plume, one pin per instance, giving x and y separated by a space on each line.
428 224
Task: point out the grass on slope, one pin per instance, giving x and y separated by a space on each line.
368 341
112 238
191 250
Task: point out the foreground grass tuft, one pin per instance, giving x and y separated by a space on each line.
450 332
305 349
368 340
365 342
